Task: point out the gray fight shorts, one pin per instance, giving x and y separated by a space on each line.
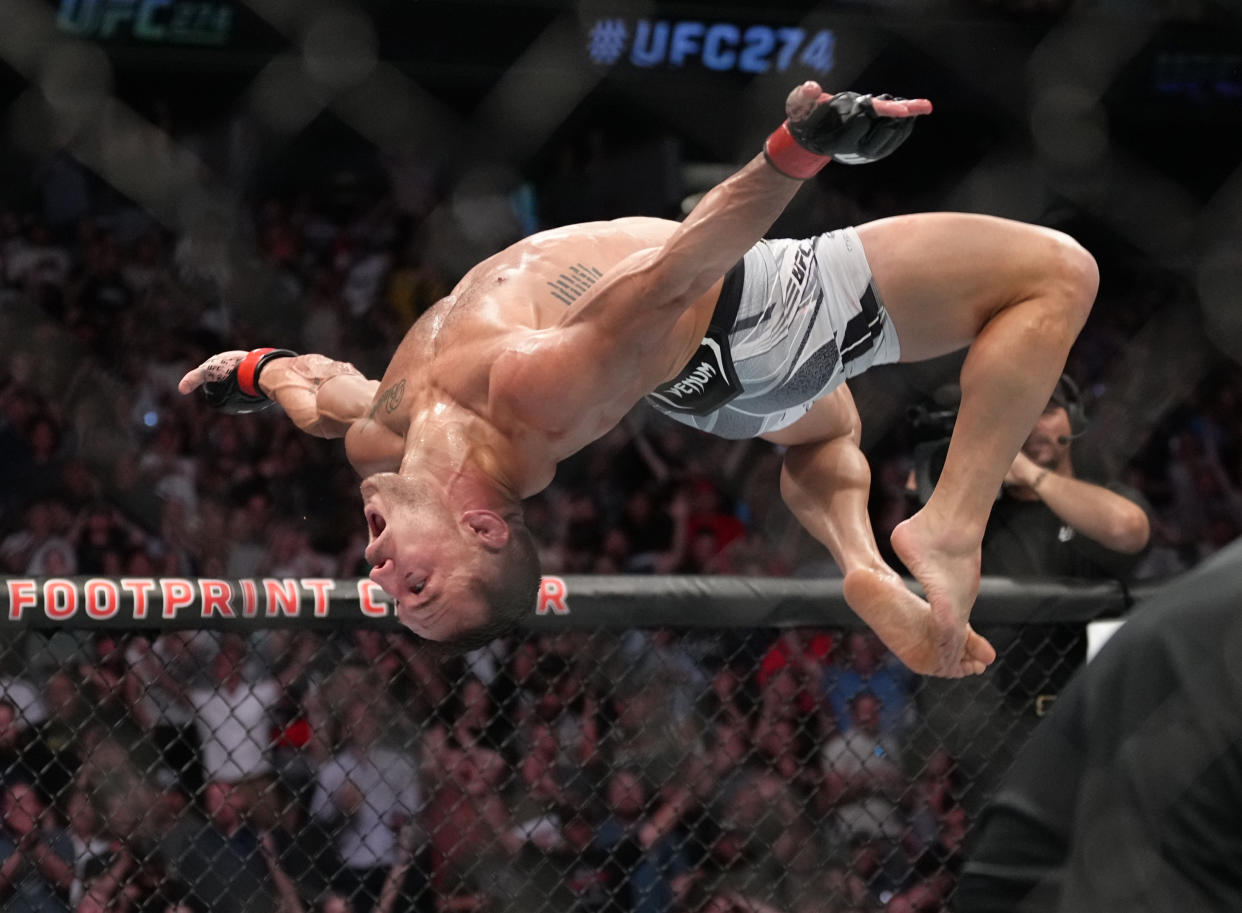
795 318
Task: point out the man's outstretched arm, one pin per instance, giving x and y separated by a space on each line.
851 128
736 213
626 320
322 396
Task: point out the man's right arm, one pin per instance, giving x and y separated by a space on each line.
322 396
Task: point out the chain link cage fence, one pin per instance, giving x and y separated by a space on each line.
339 764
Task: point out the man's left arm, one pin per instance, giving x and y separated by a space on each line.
629 314
735 214
1102 515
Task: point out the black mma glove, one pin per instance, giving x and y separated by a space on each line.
235 388
844 127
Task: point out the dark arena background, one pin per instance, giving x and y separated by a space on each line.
204 704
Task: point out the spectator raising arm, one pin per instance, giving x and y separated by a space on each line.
410 838
56 871
285 888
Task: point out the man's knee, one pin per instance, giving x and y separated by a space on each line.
1076 276
1053 291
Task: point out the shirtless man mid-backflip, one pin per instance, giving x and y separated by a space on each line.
544 347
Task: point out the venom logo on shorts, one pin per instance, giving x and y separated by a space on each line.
706 383
708 380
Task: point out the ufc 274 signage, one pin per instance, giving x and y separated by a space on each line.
185 22
714 45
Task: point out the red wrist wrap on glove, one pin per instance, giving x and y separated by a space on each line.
790 159
248 371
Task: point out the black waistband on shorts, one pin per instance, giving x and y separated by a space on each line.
708 380
730 299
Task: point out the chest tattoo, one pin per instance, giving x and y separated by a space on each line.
569 286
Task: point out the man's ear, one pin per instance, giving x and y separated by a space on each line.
489 526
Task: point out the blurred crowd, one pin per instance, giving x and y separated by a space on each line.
647 773
642 772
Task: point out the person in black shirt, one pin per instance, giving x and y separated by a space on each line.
1129 794
1050 523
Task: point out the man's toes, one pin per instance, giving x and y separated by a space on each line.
978 648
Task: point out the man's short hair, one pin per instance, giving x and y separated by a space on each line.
509 590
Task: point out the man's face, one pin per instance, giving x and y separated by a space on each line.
81 813
866 712
222 806
1043 445
422 557
229 661
22 809
361 726
625 795
61 696
863 655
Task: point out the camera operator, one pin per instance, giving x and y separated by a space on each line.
1050 523
1046 522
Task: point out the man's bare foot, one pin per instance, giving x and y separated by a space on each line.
950 580
908 627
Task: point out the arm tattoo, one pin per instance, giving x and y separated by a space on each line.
388 399
569 286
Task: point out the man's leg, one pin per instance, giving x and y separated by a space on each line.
1018 295
826 482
